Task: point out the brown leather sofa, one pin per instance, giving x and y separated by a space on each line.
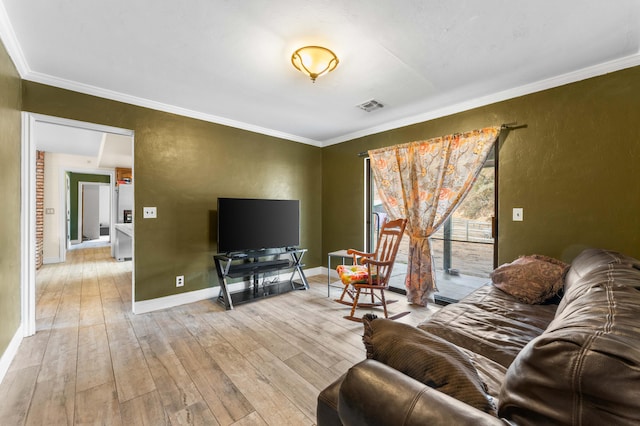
575 361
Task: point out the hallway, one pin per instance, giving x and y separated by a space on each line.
68 359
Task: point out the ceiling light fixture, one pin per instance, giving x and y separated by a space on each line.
314 61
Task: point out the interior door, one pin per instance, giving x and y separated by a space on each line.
90 212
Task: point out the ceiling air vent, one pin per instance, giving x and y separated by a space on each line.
370 105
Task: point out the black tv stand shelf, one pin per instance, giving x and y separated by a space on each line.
254 264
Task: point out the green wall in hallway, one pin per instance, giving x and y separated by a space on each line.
74 179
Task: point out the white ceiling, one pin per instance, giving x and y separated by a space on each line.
107 149
67 140
229 61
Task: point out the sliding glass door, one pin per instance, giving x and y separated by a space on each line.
463 248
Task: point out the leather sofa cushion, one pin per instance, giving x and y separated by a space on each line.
589 261
375 394
426 358
592 259
585 368
490 323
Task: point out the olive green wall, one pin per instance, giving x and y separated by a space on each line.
10 142
74 179
574 169
182 166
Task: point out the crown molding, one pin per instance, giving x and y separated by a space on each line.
10 41
8 37
549 83
159 106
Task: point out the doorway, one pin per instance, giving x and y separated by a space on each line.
34 126
463 249
94 214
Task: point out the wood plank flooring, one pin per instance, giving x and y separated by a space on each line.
94 362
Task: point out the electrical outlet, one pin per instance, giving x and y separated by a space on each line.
518 214
179 280
149 212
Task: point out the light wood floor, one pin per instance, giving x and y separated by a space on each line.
94 362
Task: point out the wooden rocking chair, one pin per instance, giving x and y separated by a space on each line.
370 272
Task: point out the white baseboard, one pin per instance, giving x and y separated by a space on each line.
151 305
10 352
333 274
320 270
50 260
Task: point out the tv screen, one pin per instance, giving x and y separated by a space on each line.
256 224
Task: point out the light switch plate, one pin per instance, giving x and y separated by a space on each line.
518 214
149 212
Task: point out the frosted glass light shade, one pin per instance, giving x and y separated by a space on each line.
314 61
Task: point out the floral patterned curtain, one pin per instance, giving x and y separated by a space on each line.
424 182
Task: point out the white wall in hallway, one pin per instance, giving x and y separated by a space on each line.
54 166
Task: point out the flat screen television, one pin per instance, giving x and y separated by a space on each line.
246 224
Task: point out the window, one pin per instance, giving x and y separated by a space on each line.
463 249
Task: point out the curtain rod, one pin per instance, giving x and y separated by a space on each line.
512 126
504 126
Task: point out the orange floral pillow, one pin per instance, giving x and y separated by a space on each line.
353 274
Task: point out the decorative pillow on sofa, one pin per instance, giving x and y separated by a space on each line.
531 279
426 358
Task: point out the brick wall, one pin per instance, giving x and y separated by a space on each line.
39 207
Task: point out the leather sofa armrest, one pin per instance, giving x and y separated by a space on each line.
373 393
327 410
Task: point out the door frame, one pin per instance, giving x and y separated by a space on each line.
368 203
65 199
67 216
28 208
